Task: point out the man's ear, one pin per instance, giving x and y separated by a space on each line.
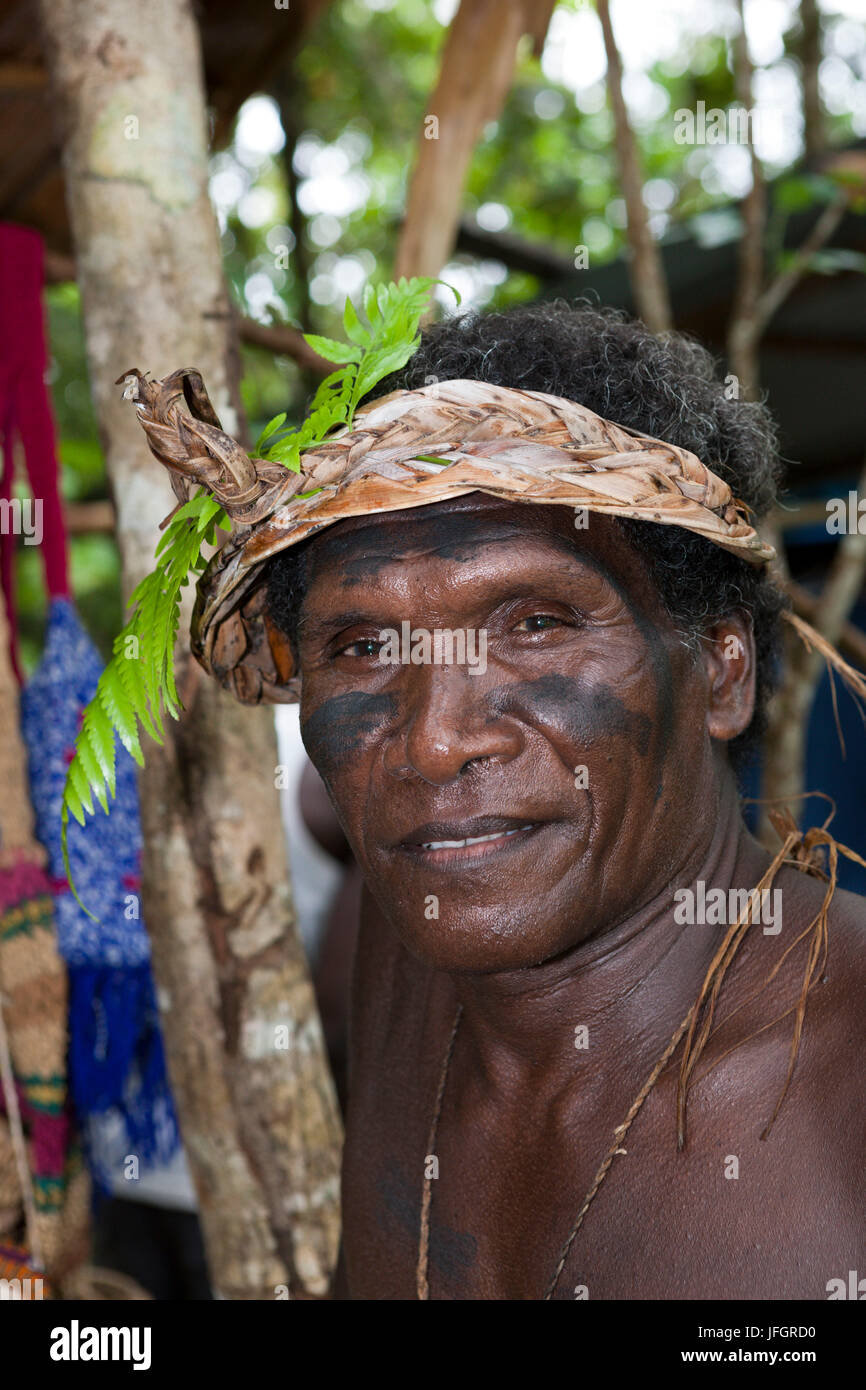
728 649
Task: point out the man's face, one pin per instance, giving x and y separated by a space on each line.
578 762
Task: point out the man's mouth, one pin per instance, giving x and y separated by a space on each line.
442 842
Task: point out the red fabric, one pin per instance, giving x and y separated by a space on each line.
25 408
21 880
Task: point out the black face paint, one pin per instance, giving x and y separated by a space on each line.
336 551
665 686
581 710
398 1200
454 536
337 730
360 567
659 660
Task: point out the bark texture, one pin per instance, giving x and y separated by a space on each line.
243 1039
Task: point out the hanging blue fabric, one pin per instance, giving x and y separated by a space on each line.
117 1071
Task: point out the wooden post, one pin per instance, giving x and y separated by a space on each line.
477 66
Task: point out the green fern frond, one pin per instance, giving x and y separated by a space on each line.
120 711
129 676
147 611
76 779
137 687
376 348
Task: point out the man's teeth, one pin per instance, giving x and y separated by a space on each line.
475 839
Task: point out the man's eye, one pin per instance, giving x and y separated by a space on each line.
538 622
363 647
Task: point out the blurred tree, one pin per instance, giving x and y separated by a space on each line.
260 1125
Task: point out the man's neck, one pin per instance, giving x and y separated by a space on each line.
635 979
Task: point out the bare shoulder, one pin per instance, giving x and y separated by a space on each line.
839 1020
843 979
804 1184
760 1008
826 1087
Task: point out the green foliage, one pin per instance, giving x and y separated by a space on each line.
548 162
137 686
834 259
375 349
801 191
138 683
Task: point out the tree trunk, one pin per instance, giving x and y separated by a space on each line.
243 1040
288 93
477 66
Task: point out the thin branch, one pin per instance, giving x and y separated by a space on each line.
90 518
284 341
514 251
645 265
57 268
777 292
810 61
746 333
743 333
850 640
281 339
844 583
786 739
288 93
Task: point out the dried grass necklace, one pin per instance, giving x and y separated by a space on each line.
421 1276
797 849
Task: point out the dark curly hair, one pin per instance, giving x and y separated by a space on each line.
665 385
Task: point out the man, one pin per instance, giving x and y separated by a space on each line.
541 834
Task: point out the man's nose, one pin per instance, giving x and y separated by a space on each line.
447 726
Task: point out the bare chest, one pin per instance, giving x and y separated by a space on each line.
521 1208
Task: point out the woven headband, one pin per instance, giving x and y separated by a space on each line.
523 445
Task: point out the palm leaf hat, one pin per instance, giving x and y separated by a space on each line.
407 449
